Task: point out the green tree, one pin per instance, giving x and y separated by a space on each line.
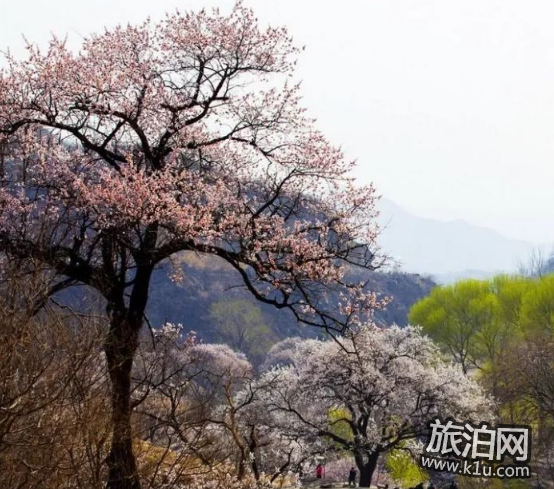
463 319
240 324
404 470
537 309
510 292
505 327
339 424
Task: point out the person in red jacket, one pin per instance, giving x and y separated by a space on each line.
319 471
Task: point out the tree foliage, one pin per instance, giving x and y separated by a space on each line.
404 470
182 135
369 392
240 324
503 329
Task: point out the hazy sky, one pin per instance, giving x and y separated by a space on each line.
448 105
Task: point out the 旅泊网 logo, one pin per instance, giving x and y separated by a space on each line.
464 448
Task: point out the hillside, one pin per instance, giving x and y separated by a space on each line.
210 300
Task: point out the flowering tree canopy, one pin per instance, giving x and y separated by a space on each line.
281 353
161 138
184 135
370 392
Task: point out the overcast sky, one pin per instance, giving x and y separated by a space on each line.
448 105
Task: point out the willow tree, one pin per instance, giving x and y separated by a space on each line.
182 135
463 318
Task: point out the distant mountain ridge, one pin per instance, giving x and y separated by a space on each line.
447 249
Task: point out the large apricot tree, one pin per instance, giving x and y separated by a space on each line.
182 135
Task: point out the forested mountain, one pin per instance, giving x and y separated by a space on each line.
208 298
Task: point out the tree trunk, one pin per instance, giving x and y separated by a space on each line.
366 466
243 460
253 448
120 350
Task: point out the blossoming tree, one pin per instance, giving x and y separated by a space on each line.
370 392
184 135
202 400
